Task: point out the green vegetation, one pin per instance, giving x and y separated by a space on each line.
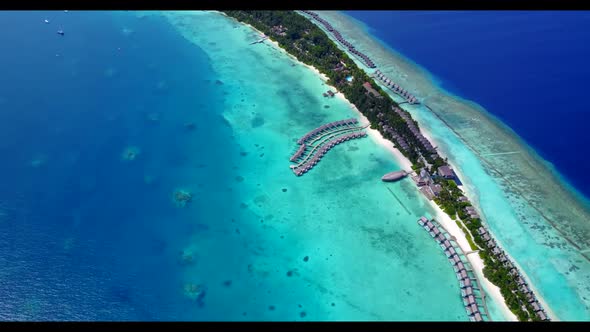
310 45
472 245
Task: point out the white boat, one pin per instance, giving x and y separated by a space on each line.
394 176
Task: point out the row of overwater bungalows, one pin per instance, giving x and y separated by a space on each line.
500 256
308 165
341 39
325 128
467 292
395 87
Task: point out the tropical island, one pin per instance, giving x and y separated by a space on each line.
306 41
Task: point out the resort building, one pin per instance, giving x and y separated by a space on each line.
371 90
446 172
423 178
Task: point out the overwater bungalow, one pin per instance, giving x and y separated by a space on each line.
429 224
450 252
422 220
456 260
460 266
447 244
474 308
469 300
465 283
437 232
467 291
462 275
477 317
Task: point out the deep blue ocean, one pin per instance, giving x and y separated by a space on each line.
88 235
85 234
530 69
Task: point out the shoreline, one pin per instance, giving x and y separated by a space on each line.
470 193
402 161
444 219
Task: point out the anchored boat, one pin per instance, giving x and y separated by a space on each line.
394 176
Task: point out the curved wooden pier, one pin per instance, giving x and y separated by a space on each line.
315 144
322 143
323 149
326 127
462 268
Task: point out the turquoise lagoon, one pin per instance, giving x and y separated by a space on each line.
539 219
367 257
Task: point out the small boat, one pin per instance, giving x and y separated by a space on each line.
46 21
60 32
394 176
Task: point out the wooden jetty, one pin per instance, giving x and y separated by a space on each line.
316 143
307 165
462 268
261 40
394 176
326 127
